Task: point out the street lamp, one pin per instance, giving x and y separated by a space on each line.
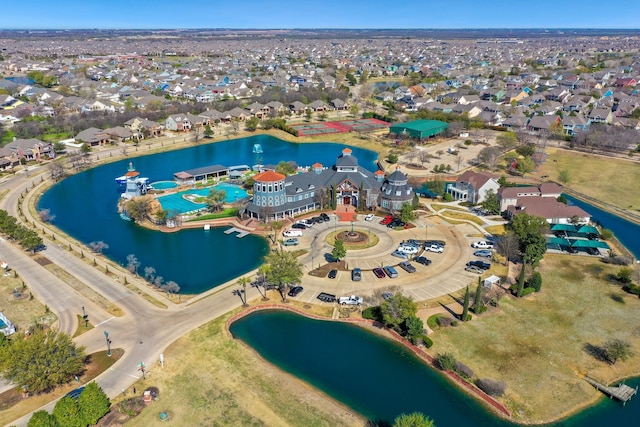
85 318
106 336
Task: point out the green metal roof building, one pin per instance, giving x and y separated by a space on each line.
419 129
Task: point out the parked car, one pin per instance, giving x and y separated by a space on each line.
75 393
369 217
484 253
435 242
391 272
474 269
293 241
352 300
324 217
379 273
306 222
482 244
480 264
292 233
332 274
409 250
356 274
435 248
399 254
299 226
386 220
414 242
295 291
325 297
422 260
406 266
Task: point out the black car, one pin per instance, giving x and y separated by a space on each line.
325 297
299 226
39 248
332 274
435 242
422 260
480 264
324 217
317 220
295 291
74 394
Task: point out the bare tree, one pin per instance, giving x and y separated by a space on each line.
98 247
424 156
133 264
489 156
56 169
149 274
508 246
171 287
46 215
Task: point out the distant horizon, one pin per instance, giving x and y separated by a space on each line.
322 29
328 14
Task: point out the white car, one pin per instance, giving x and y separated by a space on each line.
482 244
369 217
409 250
293 232
435 248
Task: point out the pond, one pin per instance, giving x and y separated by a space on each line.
380 379
85 207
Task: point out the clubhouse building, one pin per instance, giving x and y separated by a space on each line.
276 196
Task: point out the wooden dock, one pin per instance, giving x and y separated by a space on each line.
241 233
621 392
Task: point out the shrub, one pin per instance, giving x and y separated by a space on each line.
606 234
454 323
632 289
616 260
444 321
624 275
535 281
372 313
463 370
446 361
527 291
393 158
428 342
468 317
447 197
492 387
481 310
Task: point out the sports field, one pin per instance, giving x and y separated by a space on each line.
342 126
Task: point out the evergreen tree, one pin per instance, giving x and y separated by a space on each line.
93 403
465 305
477 304
42 419
339 250
334 197
521 278
67 413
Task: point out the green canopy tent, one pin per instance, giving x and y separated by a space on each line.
579 243
419 129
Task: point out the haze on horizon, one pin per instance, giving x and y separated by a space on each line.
327 14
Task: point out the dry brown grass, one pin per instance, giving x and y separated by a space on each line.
462 216
232 385
536 344
23 310
613 181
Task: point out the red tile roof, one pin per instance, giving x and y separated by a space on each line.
269 176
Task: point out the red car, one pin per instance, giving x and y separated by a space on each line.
386 220
379 273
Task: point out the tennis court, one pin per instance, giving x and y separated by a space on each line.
342 126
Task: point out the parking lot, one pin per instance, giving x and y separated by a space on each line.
444 275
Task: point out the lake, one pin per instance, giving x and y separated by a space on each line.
85 207
380 379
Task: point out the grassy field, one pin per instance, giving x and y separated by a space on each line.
613 181
18 305
462 216
543 337
438 207
232 386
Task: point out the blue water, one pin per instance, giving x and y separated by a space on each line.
85 206
380 379
626 232
176 202
164 185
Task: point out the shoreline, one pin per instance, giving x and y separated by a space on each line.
488 402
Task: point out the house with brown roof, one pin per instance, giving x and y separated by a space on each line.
473 186
550 209
93 137
508 196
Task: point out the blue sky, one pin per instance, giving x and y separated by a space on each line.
318 14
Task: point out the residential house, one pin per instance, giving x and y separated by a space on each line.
93 137
508 196
600 115
573 124
473 186
178 123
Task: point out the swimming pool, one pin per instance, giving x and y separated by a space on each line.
164 185
178 203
